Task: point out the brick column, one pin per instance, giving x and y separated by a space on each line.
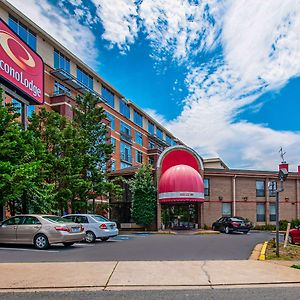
267 197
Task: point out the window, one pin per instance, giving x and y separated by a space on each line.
272 212
61 61
124 128
260 188
17 106
111 119
85 78
151 160
260 212
60 89
139 138
30 110
124 109
139 157
138 118
168 140
31 221
125 152
151 145
150 127
124 165
25 33
272 188
113 165
113 142
13 221
159 133
206 187
81 219
108 96
173 143
226 209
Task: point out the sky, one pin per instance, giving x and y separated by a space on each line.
222 76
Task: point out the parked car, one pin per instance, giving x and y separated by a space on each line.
232 224
95 226
40 230
294 235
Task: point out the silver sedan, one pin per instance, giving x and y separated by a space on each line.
40 231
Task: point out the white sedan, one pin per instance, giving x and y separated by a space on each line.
95 226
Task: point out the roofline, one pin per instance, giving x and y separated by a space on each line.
215 159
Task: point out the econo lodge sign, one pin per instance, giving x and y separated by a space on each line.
20 66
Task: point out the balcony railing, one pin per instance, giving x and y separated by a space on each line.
158 140
126 137
72 81
125 157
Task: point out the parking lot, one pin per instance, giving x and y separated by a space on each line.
143 247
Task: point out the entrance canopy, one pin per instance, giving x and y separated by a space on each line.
181 183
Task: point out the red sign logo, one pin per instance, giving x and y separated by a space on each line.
20 65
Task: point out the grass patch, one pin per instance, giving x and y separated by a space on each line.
296 267
291 252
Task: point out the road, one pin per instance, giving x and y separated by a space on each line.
271 293
144 247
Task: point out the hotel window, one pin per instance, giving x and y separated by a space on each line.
85 78
139 157
113 165
108 96
260 188
30 110
151 145
272 188
61 61
150 127
17 106
125 152
23 31
226 209
168 140
206 187
139 138
151 160
124 165
60 89
260 212
159 133
113 142
138 118
124 109
124 128
272 212
111 119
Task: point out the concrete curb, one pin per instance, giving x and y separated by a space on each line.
263 251
207 232
256 252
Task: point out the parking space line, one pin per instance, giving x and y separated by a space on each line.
30 250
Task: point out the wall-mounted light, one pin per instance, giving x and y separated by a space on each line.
220 198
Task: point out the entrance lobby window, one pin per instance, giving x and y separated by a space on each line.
226 209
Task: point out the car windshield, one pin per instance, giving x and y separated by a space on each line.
56 219
100 218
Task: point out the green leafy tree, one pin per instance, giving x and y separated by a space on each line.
143 196
22 185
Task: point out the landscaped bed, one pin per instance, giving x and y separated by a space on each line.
291 252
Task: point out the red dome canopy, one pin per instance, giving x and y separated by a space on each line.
181 183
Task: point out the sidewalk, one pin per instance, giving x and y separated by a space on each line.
143 275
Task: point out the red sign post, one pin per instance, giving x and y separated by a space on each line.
20 66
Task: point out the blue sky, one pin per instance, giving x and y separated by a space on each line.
223 76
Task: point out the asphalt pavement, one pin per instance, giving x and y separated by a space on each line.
270 293
144 247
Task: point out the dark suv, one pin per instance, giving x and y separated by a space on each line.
232 224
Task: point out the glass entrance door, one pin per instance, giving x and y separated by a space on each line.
180 216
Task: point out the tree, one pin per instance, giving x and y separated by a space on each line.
143 196
22 185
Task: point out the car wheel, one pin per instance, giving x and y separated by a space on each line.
104 239
227 230
290 239
245 232
68 244
41 242
90 237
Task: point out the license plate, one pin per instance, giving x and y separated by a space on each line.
112 226
75 229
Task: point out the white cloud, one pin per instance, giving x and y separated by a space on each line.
156 116
77 38
119 19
